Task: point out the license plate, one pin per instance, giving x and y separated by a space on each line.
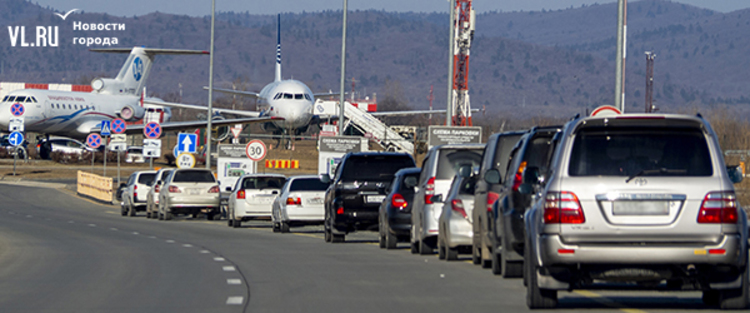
375 199
640 208
315 201
193 192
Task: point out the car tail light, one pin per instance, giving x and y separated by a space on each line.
157 188
718 207
174 189
241 194
518 178
398 201
458 206
429 190
293 201
340 211
214 189
135 191
563 208
491 198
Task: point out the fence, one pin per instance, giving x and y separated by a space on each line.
95 186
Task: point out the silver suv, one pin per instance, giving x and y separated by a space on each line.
637 201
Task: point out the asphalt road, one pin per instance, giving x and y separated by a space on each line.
61 253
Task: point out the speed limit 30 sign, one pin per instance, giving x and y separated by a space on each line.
255 150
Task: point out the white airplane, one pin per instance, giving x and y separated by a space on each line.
77 114
290 102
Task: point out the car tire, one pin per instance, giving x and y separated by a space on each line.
391 241
284 227
451 254
131 210
414 246
424 248
148 215
230 222
276 229
736 299
337 238
381 235
509 269
476 252
209 216
167 214
441 249
537 298
327 235
123 210
237 224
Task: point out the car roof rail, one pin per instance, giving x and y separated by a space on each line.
577 116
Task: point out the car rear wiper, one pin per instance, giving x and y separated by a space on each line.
655 171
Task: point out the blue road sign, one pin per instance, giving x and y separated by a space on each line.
187 143
17 109
106 128
118 126
94 141
15 138
152 130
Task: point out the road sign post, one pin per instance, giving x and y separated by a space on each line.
15 139
93 141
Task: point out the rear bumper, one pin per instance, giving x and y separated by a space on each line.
184 202
460 233
552 251
242 210
431 220
293 214
400 224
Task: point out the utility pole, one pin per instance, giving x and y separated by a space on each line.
210 87
650 56
343 72
451 43
622 36
431 97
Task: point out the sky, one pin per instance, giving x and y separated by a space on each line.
203 7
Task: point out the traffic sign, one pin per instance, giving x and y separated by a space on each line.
152 148
17 109
16 124
152 130
606 110
185 160
255 150
15 138
187 143
236 130
94 141
105 128
118 126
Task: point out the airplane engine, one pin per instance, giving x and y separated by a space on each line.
131 113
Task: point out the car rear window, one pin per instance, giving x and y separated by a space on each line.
642 151
451 159
308 184
537 152
193 176
503 150
263 182
374 167
146 179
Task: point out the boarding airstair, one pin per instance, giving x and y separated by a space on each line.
372 128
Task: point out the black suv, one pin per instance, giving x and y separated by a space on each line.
496 156
531 154
395 211
357 190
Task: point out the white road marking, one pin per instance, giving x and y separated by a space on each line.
170 241
235 300
219 259
114 229
187 245
29 216
71 222
135 233
205 252
92 225
152 237
234 281
229 268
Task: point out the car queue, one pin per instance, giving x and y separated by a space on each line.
618 202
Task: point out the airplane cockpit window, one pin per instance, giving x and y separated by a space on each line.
20 99
278 96
308 97
11 98
28 100
33 99
5 98
288 96
298 96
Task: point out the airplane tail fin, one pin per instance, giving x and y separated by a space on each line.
278 48
132 76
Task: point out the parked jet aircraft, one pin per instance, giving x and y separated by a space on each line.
76 114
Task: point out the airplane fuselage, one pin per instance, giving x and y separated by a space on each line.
288 99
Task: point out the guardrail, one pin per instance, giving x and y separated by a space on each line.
95 186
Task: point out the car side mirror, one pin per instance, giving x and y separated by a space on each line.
325 178
275 192
410 182
437 198
465 170
735 174
492 176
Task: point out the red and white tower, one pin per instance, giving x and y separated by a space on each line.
463 36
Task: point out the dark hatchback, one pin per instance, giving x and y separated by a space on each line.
395 211
357 190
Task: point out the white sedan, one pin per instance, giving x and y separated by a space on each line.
300 203
252 197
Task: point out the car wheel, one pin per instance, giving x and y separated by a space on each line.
148 215
391 241
441 249
337 238
276 229
485 256
736 299
131 210
123 210
230 222
424 248
537 298
284 227
167 213
209 216
495 262
327 235
510 269
381 234
476 256
237 224
161 216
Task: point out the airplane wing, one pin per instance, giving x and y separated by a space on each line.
191 125
236 92
203 108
